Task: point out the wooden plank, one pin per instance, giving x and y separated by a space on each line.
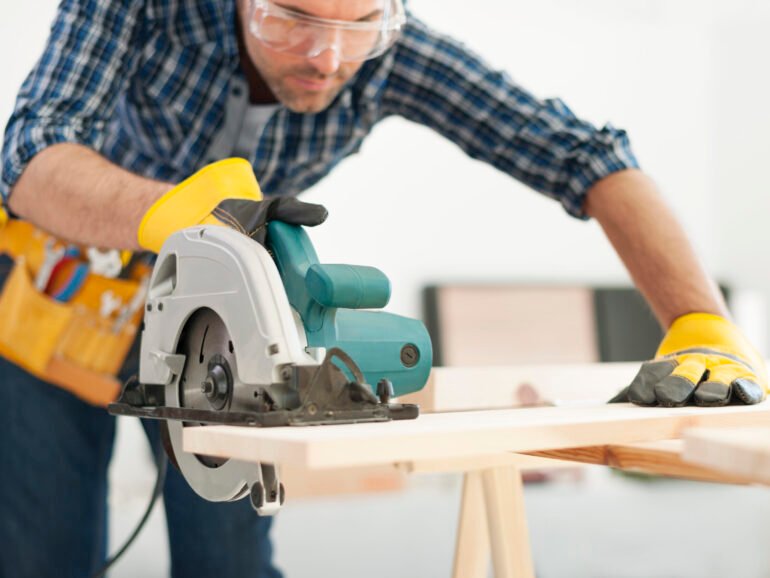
477 388
462 434
663 458
742 451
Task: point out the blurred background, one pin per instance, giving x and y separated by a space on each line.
688 80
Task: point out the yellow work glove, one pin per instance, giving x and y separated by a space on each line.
703 360
224 193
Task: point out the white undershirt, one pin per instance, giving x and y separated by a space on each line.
255 120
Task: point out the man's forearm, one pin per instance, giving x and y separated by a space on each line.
78 195
653 246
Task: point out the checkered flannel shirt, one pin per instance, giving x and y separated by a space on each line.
145 83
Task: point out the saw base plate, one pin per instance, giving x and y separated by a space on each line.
277 418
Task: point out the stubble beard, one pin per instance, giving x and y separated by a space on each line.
296 99
305 101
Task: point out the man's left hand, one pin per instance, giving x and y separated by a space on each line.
703 360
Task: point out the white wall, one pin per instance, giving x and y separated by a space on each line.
23 31
740 51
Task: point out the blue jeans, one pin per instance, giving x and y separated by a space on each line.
54 454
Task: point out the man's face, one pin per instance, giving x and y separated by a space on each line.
308 84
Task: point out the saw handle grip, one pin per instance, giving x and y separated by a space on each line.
348 286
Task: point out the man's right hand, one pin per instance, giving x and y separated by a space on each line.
225 193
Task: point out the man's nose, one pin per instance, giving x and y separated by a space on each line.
327 62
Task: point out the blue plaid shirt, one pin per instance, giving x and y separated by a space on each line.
146 84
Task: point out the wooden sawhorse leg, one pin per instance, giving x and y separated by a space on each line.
493 514
472 546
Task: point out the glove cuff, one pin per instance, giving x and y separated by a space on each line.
708 331
192 200
703 316
701 330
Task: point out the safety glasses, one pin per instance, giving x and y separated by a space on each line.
287 30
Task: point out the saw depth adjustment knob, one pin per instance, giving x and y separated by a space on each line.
385 390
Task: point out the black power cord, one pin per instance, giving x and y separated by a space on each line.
162 467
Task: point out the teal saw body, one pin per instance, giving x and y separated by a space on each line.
334 303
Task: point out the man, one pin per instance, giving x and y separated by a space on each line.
131 97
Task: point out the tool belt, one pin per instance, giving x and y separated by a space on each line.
77 340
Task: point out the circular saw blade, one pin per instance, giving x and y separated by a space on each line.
205 342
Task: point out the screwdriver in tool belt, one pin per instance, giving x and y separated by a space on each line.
52 256
136 303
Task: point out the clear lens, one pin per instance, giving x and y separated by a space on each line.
287 31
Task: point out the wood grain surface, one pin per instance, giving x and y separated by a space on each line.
743 451
463 434
663 458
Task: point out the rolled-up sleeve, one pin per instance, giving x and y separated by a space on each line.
72 91
436 81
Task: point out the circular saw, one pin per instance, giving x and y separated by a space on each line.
236 333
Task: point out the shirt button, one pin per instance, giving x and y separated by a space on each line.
236 91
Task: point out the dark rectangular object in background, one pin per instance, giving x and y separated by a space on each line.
626 328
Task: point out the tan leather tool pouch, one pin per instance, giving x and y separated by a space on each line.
72 345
